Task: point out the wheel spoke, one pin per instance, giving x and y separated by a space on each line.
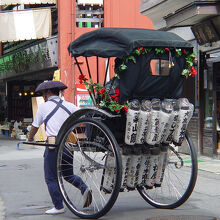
179 178
86 157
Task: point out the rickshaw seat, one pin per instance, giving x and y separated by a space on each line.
137 82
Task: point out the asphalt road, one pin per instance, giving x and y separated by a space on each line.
25 195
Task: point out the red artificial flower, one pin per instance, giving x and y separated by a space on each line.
166 49
117 91
116 99
116 110
193 71
101 91
116 95
141 49
125 108
183 51
82 78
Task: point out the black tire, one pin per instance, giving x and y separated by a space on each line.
92 145
179 178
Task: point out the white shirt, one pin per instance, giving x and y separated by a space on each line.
55 122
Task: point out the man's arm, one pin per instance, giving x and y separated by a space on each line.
33 131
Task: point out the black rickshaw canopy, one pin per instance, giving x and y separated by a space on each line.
136 80
117 42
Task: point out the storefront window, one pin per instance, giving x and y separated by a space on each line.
208 123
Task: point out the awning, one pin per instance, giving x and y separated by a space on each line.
17 2
25 25
193 13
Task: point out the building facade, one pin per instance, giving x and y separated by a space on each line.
78 17
29 54
28 57
197 22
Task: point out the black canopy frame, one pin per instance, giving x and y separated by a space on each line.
118 42
97 73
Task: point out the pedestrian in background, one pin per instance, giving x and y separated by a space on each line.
53 113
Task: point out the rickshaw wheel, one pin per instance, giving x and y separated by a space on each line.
179 177
89 149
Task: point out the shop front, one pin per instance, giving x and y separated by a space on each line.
20 72
20 92
210 102
199 22
203 19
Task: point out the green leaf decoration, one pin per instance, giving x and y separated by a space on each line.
131 58
136 51
178 52
185 72
117 75
90 87
159 51
193 55
102 103
87 86
122 67
190 63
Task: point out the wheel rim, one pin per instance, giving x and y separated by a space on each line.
92 147
179 178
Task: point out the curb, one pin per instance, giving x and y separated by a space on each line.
2 210
209 164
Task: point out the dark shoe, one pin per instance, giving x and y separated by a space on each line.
87 196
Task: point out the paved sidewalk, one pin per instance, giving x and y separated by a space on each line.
2 210
9 151
209 164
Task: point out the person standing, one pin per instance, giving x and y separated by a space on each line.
53 113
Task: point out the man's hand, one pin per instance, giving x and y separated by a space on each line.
33 131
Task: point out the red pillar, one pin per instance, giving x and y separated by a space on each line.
65 24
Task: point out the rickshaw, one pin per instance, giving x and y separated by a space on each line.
94 136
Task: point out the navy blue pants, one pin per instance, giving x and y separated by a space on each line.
67 172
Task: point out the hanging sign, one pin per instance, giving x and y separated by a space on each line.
205 32
82 96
